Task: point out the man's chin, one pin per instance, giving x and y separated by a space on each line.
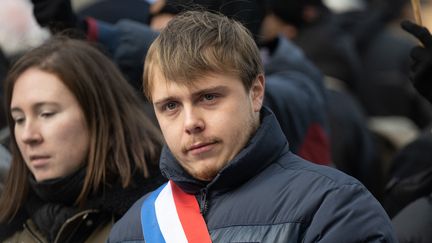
203 174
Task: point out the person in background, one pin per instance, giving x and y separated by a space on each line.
82 148
19 32
232 177
408 198
351 143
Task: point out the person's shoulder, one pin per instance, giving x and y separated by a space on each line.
326 175
320 182
128 228
324 194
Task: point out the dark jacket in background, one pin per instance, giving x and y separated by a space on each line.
410 176
295 93
353 147
419 229
112 11
127 42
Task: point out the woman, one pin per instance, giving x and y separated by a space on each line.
82 148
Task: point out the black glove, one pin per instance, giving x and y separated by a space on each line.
58 15
421 66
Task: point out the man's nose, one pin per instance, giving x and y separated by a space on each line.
194 122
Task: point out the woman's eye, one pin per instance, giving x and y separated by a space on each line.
18 120
47 114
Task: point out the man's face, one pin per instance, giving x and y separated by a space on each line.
207 124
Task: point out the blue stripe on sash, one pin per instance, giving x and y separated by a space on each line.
149 223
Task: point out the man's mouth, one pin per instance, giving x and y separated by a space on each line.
200 147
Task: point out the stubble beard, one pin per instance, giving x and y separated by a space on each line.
209 172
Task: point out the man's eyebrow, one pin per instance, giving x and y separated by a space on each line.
164 100
215 89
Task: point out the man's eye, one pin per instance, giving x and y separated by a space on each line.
170 106
209 96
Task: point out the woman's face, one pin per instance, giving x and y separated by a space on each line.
50 128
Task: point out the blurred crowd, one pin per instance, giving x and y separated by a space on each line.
337 78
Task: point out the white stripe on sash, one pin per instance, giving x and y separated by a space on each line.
166 214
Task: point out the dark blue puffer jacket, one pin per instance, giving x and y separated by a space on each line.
268 194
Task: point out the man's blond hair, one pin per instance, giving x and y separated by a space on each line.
196 43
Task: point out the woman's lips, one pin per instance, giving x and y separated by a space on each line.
39 160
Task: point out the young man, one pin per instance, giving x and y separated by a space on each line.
232 176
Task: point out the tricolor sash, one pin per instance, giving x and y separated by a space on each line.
171 215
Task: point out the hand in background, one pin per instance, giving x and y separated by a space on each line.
421 67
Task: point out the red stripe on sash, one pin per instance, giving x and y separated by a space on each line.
190 217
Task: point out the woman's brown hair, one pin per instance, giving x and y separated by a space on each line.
122 137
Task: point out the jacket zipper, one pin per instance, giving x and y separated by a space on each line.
203 201
83 214
33 234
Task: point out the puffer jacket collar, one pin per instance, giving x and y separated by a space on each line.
261 151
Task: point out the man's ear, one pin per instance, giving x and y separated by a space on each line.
257 92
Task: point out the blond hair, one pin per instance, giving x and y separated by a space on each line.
195 43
